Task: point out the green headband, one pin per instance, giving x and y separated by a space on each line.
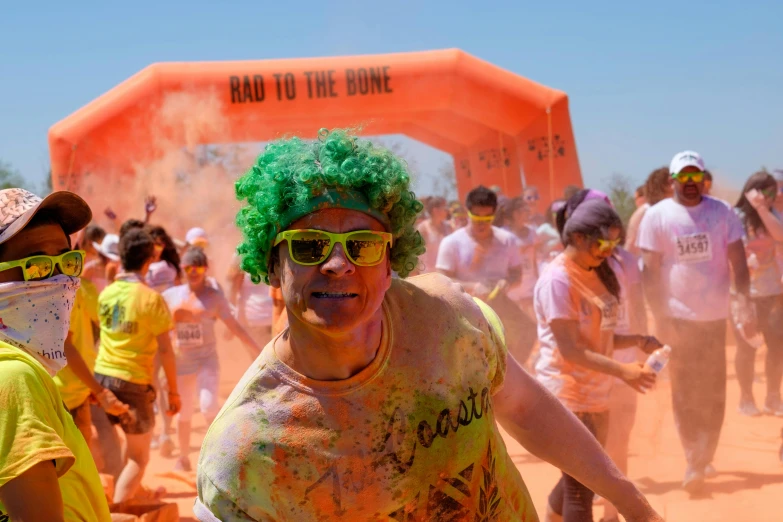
333 198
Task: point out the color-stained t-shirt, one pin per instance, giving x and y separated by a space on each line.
761 254
566 291
472 262
37 428
411 437
194 316
131 316
693 243
85 312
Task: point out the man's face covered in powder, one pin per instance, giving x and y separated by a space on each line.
336 295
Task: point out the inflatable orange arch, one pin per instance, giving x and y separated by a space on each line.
500 128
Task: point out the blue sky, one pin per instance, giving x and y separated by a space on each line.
645 79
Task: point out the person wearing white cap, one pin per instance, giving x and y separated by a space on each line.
46 472
690 245
197 237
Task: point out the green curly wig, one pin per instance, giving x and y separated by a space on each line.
291 173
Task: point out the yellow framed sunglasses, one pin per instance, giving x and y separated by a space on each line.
312 247
608 244
37 268
481 219
194 269
685 177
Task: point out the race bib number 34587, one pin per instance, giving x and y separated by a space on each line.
694 248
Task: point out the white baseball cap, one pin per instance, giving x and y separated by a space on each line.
196 236
109 247
684 159
18 207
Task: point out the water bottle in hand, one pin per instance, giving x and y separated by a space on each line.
659 358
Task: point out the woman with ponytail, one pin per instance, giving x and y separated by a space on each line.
577 302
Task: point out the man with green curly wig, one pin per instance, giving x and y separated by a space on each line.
380 401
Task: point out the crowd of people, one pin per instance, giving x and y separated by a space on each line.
370 391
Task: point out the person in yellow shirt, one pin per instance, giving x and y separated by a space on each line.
135 324
383 398
76 382
46 471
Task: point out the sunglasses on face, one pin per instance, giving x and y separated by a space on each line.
769 193
481 219
312 247
37 268
685 177
606 245
194 269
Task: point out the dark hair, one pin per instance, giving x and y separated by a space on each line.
481 196
130 225
194 256
562 215
594 224
751 219
432 203
169 254
657 184
136 248
94 234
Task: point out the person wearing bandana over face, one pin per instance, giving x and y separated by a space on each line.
381 398
135 325
577 303
690 246
46 471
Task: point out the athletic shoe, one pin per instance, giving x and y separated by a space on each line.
710 471
166 447
693 481
183 464
748 408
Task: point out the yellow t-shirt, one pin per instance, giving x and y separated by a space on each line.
85 312
411 437
131 316
37 428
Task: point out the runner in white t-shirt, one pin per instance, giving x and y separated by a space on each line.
689 243
487 261
196 307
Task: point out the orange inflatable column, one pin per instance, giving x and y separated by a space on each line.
464 174
548 153
493 161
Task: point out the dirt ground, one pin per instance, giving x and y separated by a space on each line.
750 475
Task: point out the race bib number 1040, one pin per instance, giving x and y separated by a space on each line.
694 248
